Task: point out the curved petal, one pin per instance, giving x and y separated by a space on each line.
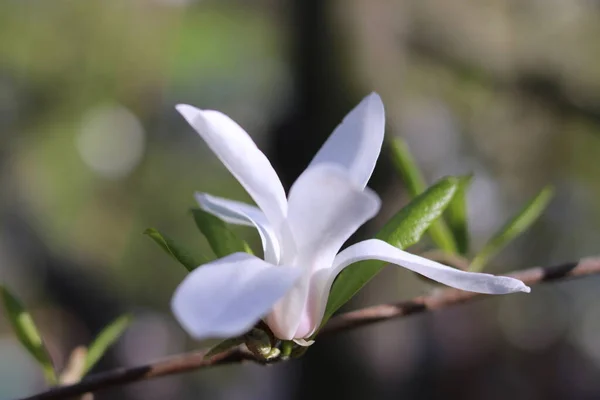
288 313
243 159
226 297
375 249
325 209
356 142
470 281
235 212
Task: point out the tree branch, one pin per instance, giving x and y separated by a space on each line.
347 321
448 297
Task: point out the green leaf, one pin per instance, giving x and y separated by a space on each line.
106 338
407 167
174 250
223 346
442 236
220 238
456 216
402 231
28 334
415 184
513 228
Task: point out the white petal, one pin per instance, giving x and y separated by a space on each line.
226 297
230 211
325 209
235 212
356 142
242 158
303 342
288 313
470 281
375 249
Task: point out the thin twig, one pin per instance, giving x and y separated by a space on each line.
168 366
347 321
449 297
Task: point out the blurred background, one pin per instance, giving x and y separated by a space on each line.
92 152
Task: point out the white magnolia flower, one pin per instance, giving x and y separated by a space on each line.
301 235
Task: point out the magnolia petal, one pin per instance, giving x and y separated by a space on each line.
235 212
356 142
304 343
226 297
325 209
243 159
288 313
375 249
230 211
469 281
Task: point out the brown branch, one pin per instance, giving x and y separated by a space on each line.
168 366
351 320
449 297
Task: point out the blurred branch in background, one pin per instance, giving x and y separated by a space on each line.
347 321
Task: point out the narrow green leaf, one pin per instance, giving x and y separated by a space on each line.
106 338
513 228
442 236
407 167
456 216
402 231
415 184
221 239
223 346
174 250
28 334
